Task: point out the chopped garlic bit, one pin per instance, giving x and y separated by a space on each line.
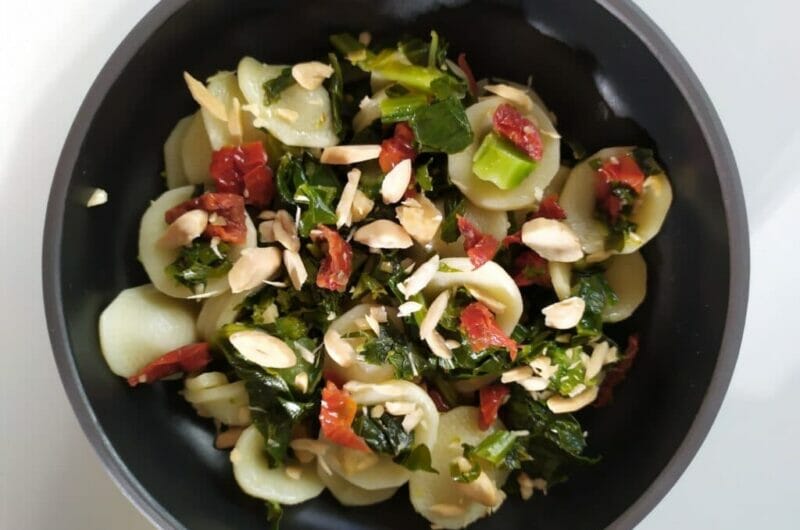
99 196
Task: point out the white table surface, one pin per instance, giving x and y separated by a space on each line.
746 53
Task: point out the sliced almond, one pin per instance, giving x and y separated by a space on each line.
543 366
562 405
204 98
379 313
296 268
312 74
495 306
516 374
408 308
400 408
254 266
270 315
434 314
564 314
287 115
301 382
184 229
481 490
411 420
285 231
266 232
420 218
235 120
534 384
446 510
362 205
596 361
377 411
349 154
383 234
514 95
396 182
344 209
228 439
338 349
293 472
553 240
438 345
263 349
373 324
99 196
421 277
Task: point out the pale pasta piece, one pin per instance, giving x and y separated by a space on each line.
627 276
429 490
349 322
156 258
196 151
347 493
492 222
299 118
578 201
217 312
225 87
173 154
212 396
491 280
140 325
487 195
256 478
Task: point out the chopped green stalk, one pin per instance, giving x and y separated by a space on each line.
433 49
401 108
349 46
275 86
423 176
409 75
498 161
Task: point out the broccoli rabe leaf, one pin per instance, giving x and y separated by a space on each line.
385 435
595 291
335 87
442 126
571 371
197 263
304 182
275 86
394 348
454 205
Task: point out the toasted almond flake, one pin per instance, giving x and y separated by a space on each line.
481 490
595 363
577 390
235 120
344 209
400 408
361 207
411 420
301 382
287 115
379 313
228 439
543 367
438 345
99 196
377 411
184 229
373 324
307 355
285 231
434 314
534 384
495 306
296 268
420 218
204 98
349 154
408 308
512 94
266 232
338 349
267 215
553 240
311 75
516 374
446 510
365 37
564 314
293 472
561 405
254 266
263 349
383 234
421 277
396 181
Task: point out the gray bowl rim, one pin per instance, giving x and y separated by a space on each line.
684 79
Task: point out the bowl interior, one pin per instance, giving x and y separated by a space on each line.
605 86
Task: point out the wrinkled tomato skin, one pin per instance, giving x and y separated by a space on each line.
337 265
228 206
336 415
491 398
397 148
243 170
189 358
509 123
482 331
531 269
480 247
550 209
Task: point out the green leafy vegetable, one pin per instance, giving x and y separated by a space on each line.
442 126
384 435
399 351
496 448
304 182
595 291
454 206
418 459
198 263
401 108
571 371
336 90
275 86
423 176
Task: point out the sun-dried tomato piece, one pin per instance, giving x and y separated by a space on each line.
189 358
479 247
337 265
471 83
512 239
550 209
438 400
336 415
619 170
531 269
491 398
243 170
510 123
397 148
617 374
229 208
482 331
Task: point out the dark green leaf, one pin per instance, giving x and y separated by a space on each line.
198 263
442 126
595 291
423 176
383 435
454 206
275 86
418 459
496 447
336 91
397 350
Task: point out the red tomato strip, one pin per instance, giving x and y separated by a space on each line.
189 358
337 265
491 399
550 209
243 170
623 170
464 65
397 148
617 374
531 269
480 327
227 206
479 247
509 123
336 417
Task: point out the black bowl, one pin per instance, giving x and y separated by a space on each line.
611 77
